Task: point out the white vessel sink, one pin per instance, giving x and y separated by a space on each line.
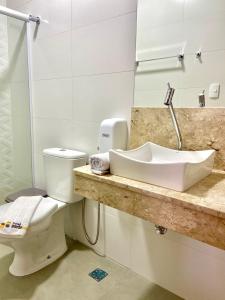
151 163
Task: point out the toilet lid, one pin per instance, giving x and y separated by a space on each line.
45 209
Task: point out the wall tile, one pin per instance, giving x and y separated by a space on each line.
189 97
205 34
202 9
165 40
53 98
155 97
84 136
105 47
105 96
13 4
175 265
48 133
158 79
88 12
156 13
56 12
201 27
52 57
212 69
117 237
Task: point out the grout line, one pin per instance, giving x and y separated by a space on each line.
84 76
71 29
105 20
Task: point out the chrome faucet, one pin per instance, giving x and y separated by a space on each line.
168 102
169 95
201 99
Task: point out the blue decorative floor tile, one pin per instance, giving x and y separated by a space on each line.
98 274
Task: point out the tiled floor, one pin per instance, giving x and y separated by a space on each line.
68 279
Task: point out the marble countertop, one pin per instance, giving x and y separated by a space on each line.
207 196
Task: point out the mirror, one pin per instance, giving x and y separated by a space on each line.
181 42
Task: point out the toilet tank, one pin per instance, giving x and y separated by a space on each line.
59 164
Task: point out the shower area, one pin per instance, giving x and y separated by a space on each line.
15 110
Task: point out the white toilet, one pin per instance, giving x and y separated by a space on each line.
45 241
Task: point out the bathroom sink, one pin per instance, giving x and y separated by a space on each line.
154 164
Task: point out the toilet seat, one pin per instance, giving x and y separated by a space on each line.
44 241
45 209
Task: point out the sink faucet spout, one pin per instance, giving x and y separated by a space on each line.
168 102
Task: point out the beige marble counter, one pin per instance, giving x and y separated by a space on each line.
199 212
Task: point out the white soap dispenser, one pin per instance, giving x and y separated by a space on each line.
113 134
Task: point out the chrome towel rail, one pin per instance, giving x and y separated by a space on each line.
180 57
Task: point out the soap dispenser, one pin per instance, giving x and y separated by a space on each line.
113 134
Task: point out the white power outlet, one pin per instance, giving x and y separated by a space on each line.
214 90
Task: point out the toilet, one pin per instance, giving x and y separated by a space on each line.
45 241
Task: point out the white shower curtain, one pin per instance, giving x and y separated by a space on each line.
6 134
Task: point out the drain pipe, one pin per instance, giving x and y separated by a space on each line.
160 230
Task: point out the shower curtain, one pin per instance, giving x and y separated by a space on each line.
6 134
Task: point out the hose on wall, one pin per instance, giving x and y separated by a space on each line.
84 223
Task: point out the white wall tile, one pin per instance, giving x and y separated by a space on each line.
212 69
56 12
158 79
92 11
84 136
155 98
117 237
189 97
156 13
201 27
104 96
204 34
175 265
53 98
165 38
52 133
49 133
202 9
13 4
52 57
206 249
151 255
183 97
104 47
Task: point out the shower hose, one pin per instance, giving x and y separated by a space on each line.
94 242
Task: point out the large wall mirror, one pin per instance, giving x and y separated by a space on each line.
181 42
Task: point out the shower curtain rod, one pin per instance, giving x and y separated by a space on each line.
18 15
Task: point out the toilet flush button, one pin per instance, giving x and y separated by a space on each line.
214 90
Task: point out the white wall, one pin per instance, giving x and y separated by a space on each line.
164 27
83 72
